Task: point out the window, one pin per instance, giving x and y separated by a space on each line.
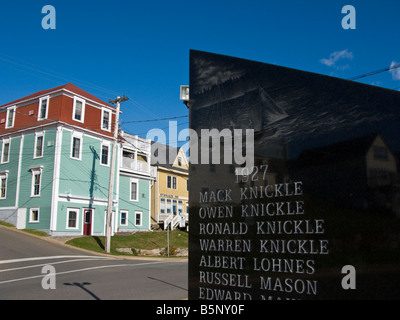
380 153
106 120
3 184
124 218
10 117
76 146
34 215
38 153
43 108
169 183
174 207
134 190
5 153
180 207
138 218
72 218
179 161
168 206
79 110
104 155
162 206
187 185
173 182
36 181
88 216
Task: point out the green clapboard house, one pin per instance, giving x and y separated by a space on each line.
55 159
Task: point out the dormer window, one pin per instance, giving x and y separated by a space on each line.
10 117
78 113
43 108
106 120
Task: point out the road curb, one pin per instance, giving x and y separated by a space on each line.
50 239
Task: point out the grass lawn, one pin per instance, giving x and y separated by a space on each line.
139 240
6 224
35 232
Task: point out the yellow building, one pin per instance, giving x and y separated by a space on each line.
169 192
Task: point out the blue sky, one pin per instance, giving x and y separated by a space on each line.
141 48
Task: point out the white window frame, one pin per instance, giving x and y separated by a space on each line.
180 207
47 98
69 210
108 145
4 176
163 206
35 171
132 180
31 215
79 136
168 206
5 141
126 217
37 135
103 110
174 207
140 213
9 126
82 120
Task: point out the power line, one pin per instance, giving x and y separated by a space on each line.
38 69
55 74
375 72
151 120
138 134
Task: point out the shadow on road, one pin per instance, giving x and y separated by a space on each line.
82 286
173 285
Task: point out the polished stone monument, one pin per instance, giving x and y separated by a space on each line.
294 184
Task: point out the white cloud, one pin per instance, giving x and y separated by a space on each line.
395 72
334 57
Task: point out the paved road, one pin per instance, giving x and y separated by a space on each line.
80 275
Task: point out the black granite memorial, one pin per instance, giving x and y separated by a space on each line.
315 214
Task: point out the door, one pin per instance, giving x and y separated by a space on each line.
87 222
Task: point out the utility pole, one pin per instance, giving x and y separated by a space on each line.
112 173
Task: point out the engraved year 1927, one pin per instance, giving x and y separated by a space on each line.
253 174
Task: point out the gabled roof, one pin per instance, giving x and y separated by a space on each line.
162 151
69 86
338 152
